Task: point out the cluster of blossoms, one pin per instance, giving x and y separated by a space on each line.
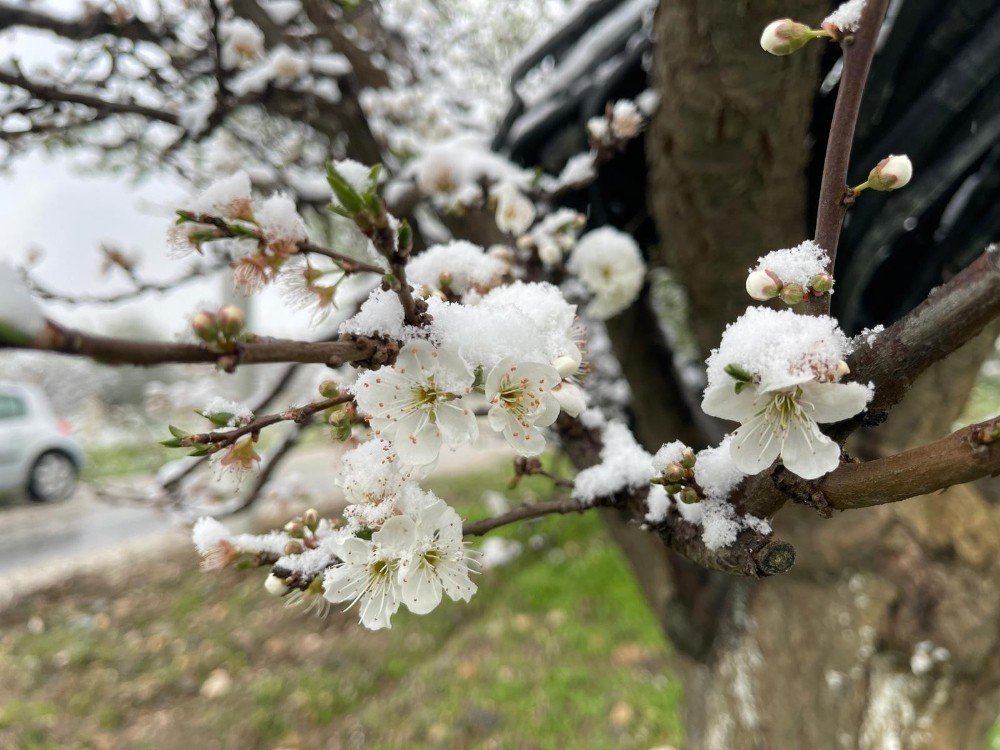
397 545
791 274
262 236
621 122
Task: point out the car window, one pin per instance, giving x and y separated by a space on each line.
12 406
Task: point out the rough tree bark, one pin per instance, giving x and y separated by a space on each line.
826 656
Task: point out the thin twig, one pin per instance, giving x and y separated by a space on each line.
536 510
297 414
859 49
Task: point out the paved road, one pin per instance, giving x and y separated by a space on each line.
84 528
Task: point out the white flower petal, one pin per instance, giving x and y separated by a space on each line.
457 424
807 452
832 402
755 445
421 588
724 402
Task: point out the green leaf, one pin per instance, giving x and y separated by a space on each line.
172 443
177 432
347 195
737 372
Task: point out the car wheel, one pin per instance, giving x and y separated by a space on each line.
53 477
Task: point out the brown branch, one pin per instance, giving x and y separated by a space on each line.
859 49
297 414
264 402
963 456
952 314
141 287
113 351
92 23
535 510
345 262
53 94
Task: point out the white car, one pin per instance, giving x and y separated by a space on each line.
37 453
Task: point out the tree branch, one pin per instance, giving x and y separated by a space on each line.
114 351
963 456
91 24
859 49
535 510
297 414
48 93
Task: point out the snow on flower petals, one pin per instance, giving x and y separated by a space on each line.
787 366
522 402
418 403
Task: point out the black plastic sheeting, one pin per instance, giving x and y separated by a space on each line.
934 94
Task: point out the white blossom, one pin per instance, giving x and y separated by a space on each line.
242 43
515 212
626 120
783 421
437 561
369 572
522 403
776 373
609 264
418 403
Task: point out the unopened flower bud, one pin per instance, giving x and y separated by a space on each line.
293 547
688 458
329 389
205 326
784 36
792 294
842 370
673 489
763 285
688 496
311 519
294 528
673 473
275 586
231 320
892 173
821 282
566 365
571 398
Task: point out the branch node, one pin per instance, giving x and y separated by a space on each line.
774 558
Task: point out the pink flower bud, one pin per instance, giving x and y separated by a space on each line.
231 320
784 36
763 285
892 173
205 326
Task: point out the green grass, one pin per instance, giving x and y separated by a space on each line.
109 461
556 650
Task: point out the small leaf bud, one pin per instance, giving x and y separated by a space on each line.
275 586
821 283
689 496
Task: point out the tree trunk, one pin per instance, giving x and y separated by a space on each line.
885 634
